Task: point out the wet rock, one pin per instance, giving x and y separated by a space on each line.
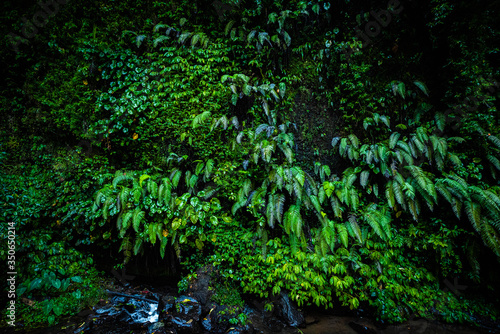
184 326
189 307
289 313
187 315
209 322
240 330
199 288
159 328
166 306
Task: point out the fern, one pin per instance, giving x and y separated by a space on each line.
126 246
279 204
270 211
336 207
137 245
126 220
443 190
343 147
200 118
294 220
343 234
425 184
137 218
473 211
315 203
494 161
389 194
363 178
456 206
422 87
335 141
494 140
370 216
440 120
122 177
175 177
393 139
354 140
354 227
398 193
457 189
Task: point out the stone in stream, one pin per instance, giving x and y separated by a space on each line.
200 290
166 305
159 328
289 313
186 316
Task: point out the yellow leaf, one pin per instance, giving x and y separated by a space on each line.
135 136
85 82
165 233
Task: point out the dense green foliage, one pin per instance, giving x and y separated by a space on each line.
269 139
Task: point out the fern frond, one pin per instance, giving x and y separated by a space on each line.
336 207
315 203
343 147
270 211
137 245
354 140
494 161
389 194
473 211
440 120
393 139
354 227
443 190
457 189
343 234
127 220
279 205
122 177
398 193
137 218
175 177
363 178
494 140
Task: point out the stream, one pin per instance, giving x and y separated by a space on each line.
140 310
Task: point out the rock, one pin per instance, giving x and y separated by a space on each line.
189 307
187 314
184 326
209 322
159 328
240 330
166 306
290 315
199 288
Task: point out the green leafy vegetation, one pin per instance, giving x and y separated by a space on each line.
263 138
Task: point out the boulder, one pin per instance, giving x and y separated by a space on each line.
288 312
